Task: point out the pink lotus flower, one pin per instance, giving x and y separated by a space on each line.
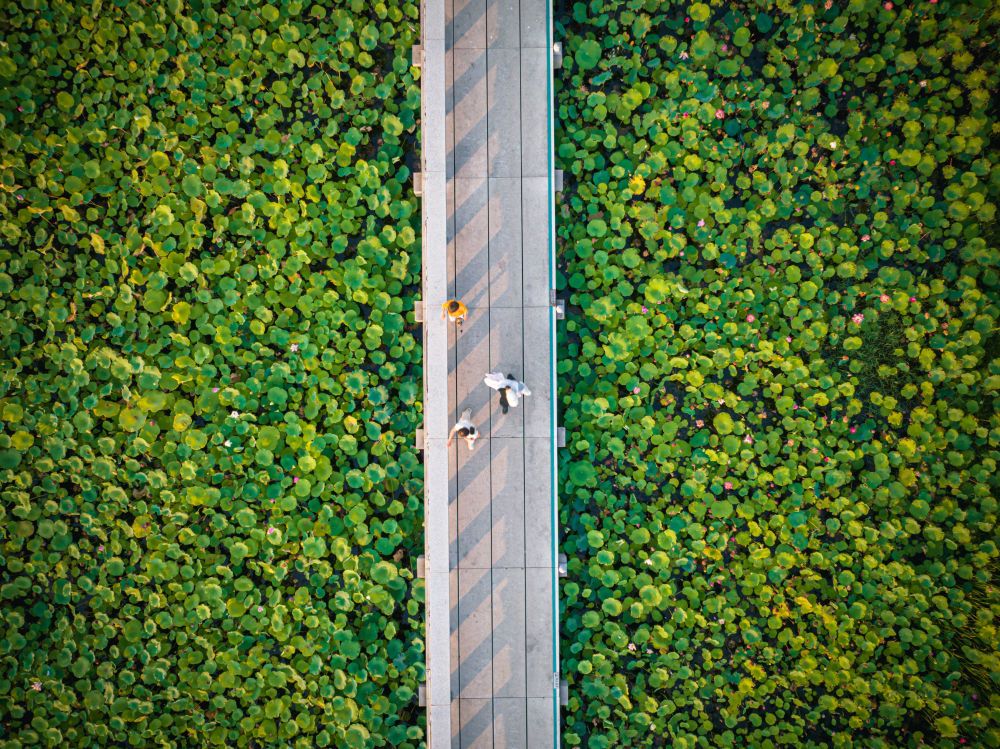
701 222
719 114
858 318
865 237
295 480
853 430
215 390
294 347
913 299
270 531
750 318
683 55
892 162
790 442
748 439
699 423
36 685
260 609
644 310
636 390
788 339
100 548
727 485
887 5
885 298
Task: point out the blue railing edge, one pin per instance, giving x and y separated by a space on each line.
554 393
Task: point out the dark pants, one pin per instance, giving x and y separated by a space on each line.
504 405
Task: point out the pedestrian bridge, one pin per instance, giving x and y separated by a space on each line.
487 185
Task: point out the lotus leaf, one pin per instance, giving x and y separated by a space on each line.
588 54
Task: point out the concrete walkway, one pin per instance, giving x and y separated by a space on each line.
501 545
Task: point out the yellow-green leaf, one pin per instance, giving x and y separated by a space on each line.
68 213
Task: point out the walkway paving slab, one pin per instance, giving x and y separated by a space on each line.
503 29
537 412
469 106
505 242
538 503
534 112
508 481
476 727
503 121
510 722
538 641
535 282
533 27
466 27
541 723
509 668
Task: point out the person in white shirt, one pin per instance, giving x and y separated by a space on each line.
510 389
464 428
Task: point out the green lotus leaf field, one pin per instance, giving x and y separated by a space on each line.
778 249
210 502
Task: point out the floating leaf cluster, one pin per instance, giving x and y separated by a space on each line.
780 373
209 501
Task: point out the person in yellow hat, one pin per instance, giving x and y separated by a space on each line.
454 310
